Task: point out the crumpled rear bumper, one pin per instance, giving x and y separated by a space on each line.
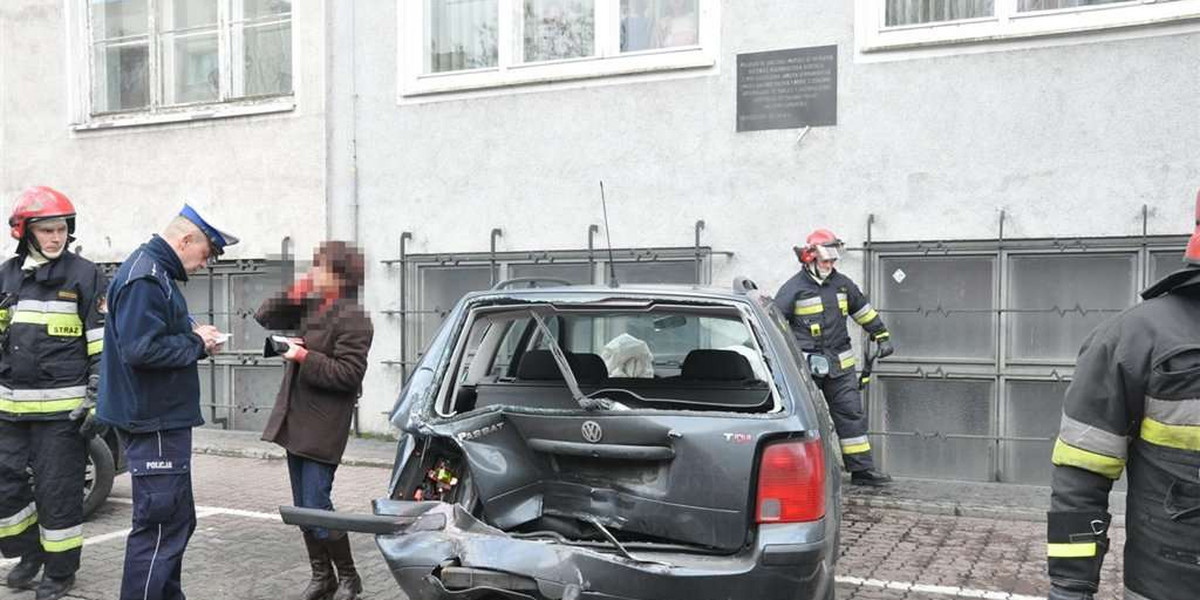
444 552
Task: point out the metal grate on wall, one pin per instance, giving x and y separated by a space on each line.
431 284
986 335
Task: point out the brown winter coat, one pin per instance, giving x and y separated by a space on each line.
315 404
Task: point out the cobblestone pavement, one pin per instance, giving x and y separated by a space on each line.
241 551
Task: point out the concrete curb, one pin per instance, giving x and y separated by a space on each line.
280 455
949 508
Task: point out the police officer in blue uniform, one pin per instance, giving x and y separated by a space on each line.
150 392
817 301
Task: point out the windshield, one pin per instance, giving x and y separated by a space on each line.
663 356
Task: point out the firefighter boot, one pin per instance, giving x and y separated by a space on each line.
324 582
53 588
870 477
22 575
349 583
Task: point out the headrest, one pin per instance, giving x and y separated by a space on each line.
716 365
539 365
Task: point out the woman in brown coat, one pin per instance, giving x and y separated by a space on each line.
325 365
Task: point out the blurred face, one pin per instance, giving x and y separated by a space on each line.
195 252
51 237
325 281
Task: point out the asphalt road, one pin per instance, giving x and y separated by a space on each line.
242 551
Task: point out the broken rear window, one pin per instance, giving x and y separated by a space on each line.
669 357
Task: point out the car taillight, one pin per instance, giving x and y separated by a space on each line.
791 482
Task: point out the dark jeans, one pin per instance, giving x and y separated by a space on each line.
312 483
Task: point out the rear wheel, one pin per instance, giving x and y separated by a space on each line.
98 479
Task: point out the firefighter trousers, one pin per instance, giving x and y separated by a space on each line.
164 514
845 406
47 515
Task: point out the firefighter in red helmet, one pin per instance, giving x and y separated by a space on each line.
817 301
1133 406
51 333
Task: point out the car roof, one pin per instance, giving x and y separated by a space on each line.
578 293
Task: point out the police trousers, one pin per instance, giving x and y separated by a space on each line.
44 513
164 514
845 406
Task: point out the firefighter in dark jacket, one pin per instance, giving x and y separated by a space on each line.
150 392
1134 403
817 301
51 335
326 363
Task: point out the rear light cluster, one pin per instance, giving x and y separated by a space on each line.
791 482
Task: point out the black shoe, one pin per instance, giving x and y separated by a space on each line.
52 588
349 583
870 477
324 582
22 575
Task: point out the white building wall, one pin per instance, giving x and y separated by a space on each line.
263 176
1069 136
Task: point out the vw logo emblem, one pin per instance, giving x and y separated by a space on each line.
592 431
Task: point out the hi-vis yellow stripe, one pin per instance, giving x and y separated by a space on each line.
62 545
1068 455
19 527
866 317
857 448
67 325
1080 550
815 309
1185 437
28 407
95 347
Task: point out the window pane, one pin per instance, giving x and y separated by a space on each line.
650 24
580 273
119 18
121 78
266 9
1165 263
909 12
558 29
654 272
461 35
267 62
1055 301
191 68
962 407
1031 5
1034 409
177 15
939 307
441 288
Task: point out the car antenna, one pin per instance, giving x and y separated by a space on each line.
612 267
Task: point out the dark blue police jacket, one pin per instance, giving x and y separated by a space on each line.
149 381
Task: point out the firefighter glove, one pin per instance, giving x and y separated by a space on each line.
1060 593
85 413
885 348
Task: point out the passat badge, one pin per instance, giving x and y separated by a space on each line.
592 431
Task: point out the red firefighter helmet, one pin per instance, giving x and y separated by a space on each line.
1192 255
39 203
821 244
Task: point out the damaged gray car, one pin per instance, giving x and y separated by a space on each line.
589 442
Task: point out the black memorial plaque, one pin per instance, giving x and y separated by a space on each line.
785 89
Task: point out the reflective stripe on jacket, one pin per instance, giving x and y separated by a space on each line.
817 313
51 335
1133 404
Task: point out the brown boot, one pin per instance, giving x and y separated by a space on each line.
349 583
323 583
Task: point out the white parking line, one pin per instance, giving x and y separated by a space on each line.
903 586
944 590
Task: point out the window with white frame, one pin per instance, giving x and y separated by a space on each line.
891 24
155 56
453 45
